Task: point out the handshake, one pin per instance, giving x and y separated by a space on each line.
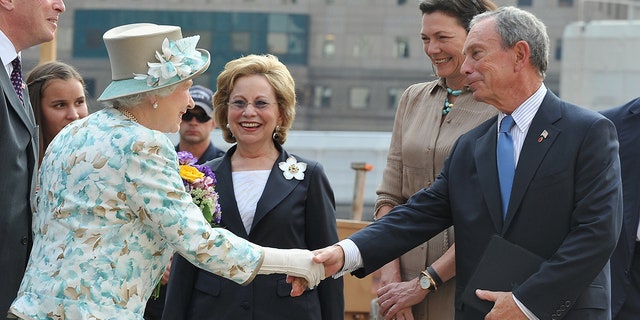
304 268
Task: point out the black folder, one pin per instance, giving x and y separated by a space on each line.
503 267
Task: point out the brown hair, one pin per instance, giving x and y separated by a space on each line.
37 81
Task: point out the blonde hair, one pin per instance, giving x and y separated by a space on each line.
278 77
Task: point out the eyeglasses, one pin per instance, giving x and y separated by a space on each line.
241 104
200 117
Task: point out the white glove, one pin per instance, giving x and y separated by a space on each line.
293 262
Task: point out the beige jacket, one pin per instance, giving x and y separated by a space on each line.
420 143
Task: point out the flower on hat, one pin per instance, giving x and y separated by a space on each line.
178 58
292 168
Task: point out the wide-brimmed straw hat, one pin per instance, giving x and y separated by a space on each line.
147 56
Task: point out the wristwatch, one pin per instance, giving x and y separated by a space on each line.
426 282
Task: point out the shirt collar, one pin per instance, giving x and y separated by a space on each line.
7 52
524 113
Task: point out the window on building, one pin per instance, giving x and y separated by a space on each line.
558 54
90 86
328 46
359 97
565 3
401 47
525 3
277 42
240 41
322 97
93 39
362 47
393 97
401 2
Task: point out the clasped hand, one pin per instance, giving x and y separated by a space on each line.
331 257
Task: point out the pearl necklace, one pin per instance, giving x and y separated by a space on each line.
447 105
128 114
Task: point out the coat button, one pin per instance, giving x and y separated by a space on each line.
245 305
24 240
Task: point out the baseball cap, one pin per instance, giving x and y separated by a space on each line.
202 98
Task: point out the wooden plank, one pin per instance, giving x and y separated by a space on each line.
358 293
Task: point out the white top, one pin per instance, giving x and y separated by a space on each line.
248 187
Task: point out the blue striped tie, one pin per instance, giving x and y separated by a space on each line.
506 162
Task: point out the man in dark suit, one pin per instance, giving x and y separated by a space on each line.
23 24
565 204
625 261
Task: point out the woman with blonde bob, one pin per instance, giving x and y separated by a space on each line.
269 197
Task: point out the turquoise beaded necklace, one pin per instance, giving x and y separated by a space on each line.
447 105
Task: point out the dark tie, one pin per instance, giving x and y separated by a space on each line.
506 163
16 77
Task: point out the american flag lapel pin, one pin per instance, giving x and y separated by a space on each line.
543 135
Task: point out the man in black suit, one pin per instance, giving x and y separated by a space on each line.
625 261
565 203
23 24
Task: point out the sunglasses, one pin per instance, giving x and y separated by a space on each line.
200 117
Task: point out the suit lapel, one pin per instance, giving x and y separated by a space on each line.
230 216
276 190
540 137
486 162
24 111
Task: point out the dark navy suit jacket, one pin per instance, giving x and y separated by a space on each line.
565 206
289 214
627 121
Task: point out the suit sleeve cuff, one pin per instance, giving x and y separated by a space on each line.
352 257
524 309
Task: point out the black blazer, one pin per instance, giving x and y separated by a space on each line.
289 214
627 121
18 156
566 206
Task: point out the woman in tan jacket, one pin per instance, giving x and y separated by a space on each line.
430 118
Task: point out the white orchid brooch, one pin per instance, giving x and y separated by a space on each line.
292 168
178 58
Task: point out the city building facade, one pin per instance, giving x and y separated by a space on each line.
351 59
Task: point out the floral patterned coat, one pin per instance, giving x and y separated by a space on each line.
111 211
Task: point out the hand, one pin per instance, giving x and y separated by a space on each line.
293 262
332 257
298 285
505 307
396 299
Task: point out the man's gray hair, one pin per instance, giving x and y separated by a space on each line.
513 25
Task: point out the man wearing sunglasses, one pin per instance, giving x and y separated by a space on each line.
197 125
